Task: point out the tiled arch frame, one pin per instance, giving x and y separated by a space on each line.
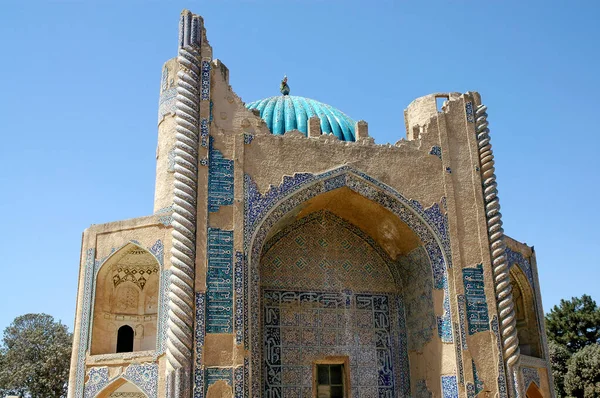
92 267
263 211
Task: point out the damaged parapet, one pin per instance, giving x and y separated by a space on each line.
418 112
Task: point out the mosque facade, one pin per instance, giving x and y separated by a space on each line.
289 255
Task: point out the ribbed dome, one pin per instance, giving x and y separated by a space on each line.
288 112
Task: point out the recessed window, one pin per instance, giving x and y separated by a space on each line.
330 381
125 339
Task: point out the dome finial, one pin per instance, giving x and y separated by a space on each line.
284 88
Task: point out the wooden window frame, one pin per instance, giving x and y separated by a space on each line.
334 360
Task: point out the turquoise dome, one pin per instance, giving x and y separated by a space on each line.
284 113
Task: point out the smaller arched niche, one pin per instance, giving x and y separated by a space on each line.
525 313
126 302
121 388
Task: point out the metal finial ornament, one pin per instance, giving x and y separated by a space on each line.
284 88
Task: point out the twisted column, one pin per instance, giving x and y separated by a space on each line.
183 253
502 286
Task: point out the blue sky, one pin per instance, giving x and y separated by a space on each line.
80 83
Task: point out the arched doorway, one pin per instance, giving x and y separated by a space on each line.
525 314
121 388
126 302
386 220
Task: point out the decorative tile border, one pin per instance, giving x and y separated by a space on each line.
449 387
219 281
462 317
85 322
477 312
204 133
402 362
205 79
239 297
459 357
502 389
199 334
266 209
444 322
220 179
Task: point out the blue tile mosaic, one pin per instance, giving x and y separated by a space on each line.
449 387
333 323
443 322
199 334
502 389
219 280
145 377
477 312
204 132
97 380
437 151
469 112
220 179
402 361
239 297
462 317
531 375
218 374
85 322
205 79
240 378
248 138
166 103
519 259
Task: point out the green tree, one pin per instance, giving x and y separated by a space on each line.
559 357
574 323
35 356
583 375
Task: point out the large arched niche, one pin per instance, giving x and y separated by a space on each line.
126 296
526 313
396 226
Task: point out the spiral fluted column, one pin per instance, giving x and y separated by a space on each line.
500 269
183 253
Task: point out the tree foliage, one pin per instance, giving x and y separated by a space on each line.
574 323
559 356
583 375
35 356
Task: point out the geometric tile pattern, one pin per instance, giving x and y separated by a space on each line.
205 79
98 379
449 387
418 299
263 210
145 377
531 375
300 327
477 312
85 322
220 179
443 322
523 263
329 253
459 358
401 363
219 281
469 112
239 297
